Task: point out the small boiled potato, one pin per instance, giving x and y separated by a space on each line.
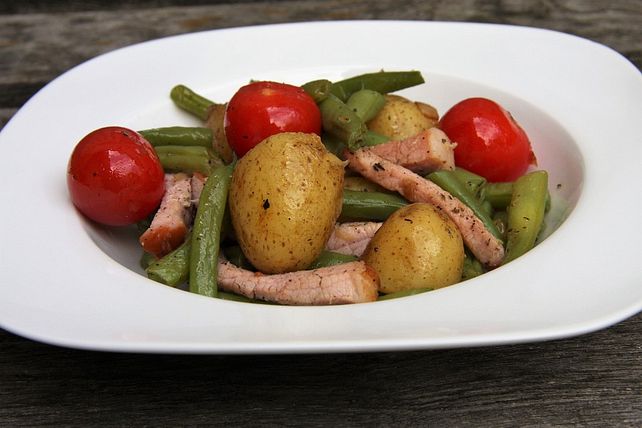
416 247
400 118
285 197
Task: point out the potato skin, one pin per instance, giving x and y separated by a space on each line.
416 247
285 197
400 118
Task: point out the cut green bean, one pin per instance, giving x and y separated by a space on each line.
499 194
206 232
370 205
473 181
178 136
448 181
500 218
366 103
404 293
341 122
382 82
173 268
190 101
372 138
187 159
330 258
318 89
235 255
526 213
472 268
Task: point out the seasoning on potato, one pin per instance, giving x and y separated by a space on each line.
401 118
416 247
285 198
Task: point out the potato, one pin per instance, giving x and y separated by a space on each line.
416 247
285 197
401 118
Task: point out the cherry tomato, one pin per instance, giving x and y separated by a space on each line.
114 176
489 141
261 109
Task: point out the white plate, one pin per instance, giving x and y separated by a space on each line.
66 282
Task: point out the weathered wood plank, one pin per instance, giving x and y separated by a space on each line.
28 41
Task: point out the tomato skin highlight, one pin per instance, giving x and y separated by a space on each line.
261 109
489 141
114 176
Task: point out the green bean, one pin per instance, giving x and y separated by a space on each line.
370 205
499 194
525 213
341 122
173 268
500 218
472 268
206 232
146 259
235 255
190 101
366 103
318 89
178 136
450 183
473 181
404 293
382 82
330 258
372 138
333 144
187 159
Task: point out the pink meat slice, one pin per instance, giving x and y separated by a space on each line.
488 249
352 238
428 151
171 222
353 282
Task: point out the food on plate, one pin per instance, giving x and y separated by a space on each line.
489 141
261 109
401 118
326 193
114 176
416 247
285 198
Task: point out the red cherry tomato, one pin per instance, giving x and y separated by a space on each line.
261 109
114 176
489 141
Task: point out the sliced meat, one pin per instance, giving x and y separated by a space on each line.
197 182
352 238
428 151
353 282
488 249
171 222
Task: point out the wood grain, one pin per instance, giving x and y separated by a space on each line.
593 380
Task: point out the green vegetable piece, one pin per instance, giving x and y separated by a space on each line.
448 181
499 194
472 267
372 138
190 101
206 232
473 181
330 258
366 103
382 82
341 122
235 255
375 206
146 259
525 213
404 293
318 89
178 136
187 159
173 268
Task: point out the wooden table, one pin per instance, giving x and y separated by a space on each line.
590 380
